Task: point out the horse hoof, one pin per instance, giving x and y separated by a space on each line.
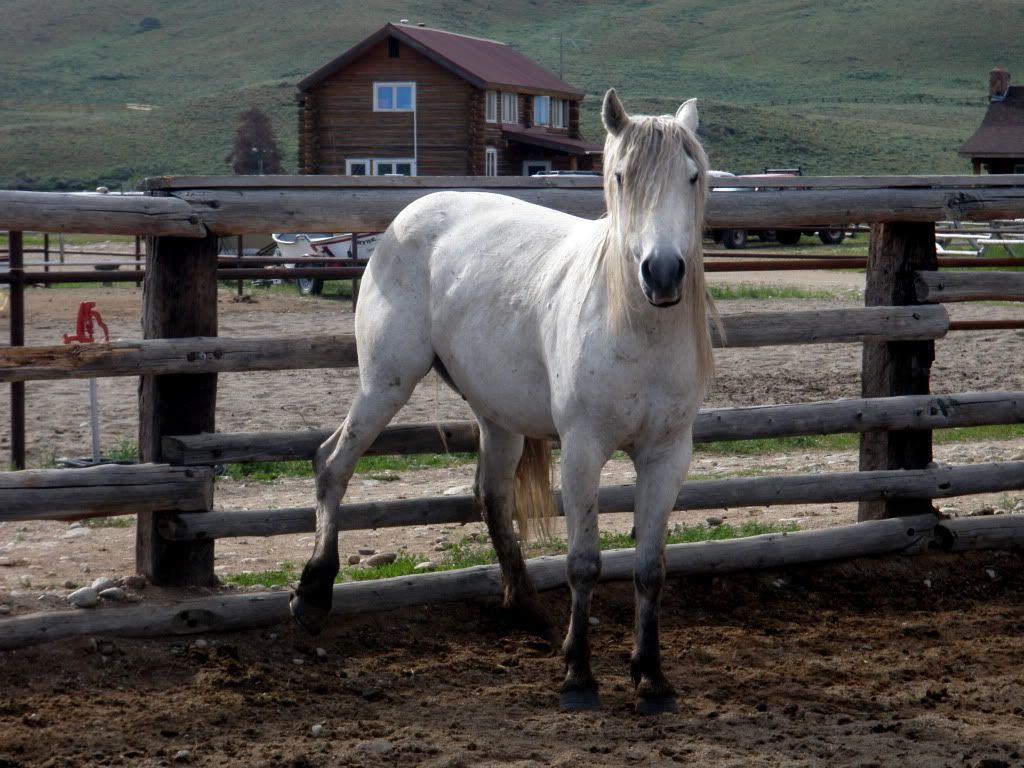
657 705
308 616
579 700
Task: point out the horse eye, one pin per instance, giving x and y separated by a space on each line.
618 178
693 179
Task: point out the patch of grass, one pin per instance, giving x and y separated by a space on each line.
286 574
402 566
978 434
752 291
383 468
118 521
125 449
765 445
266 471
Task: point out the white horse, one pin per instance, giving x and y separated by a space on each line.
550 326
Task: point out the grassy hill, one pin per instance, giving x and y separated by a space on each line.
861 86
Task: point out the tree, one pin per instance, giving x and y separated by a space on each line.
255 149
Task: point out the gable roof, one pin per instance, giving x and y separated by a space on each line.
484 63
1001 133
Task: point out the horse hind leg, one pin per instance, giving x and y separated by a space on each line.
381 396
500 453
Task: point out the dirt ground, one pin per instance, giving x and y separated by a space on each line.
913 661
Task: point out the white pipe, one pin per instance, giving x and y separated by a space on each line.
94 420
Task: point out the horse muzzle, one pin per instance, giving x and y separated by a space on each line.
661 277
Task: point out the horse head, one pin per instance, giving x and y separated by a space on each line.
655 186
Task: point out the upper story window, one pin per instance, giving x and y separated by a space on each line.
491 106
394 97
509 108
559 113
542 110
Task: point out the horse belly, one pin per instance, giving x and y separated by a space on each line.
501 382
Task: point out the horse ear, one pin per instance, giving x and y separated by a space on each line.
687 115
613 114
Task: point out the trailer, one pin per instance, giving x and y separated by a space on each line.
323 250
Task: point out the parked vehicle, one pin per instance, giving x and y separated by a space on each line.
309 248
737 238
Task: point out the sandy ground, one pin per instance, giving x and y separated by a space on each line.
860 664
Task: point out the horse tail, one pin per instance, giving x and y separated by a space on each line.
534 501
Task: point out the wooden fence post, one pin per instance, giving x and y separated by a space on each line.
16 268
896 367
179 300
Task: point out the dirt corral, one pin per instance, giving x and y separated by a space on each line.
912 662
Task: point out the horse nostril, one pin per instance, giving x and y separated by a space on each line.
680 270
645 271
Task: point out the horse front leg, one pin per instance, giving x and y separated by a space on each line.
582 460
334 463
660 472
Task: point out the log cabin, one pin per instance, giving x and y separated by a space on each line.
998 144
412 100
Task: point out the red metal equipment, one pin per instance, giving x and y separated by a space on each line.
87 314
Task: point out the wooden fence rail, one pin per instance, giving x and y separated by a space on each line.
70 494
341 204
826 487
935 287
222 354
915 412
227 613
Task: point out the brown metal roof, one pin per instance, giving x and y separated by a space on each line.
485 63
539 137
1001 133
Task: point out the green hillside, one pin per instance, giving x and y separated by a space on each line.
862 86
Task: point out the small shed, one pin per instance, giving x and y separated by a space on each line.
998 144
413 100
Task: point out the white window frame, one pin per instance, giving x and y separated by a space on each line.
394 86
559 113
528 163
490 161
358 161
491 106
537 101
378 161
509 107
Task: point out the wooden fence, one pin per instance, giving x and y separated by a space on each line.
180 356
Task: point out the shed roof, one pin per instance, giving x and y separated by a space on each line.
484 63
1001 133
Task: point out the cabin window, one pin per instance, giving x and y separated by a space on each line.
510 108
491 106
394 166
394 97
392 48
542 110
559 113
357 167
490 161
1018 168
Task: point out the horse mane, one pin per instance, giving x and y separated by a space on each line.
651 146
